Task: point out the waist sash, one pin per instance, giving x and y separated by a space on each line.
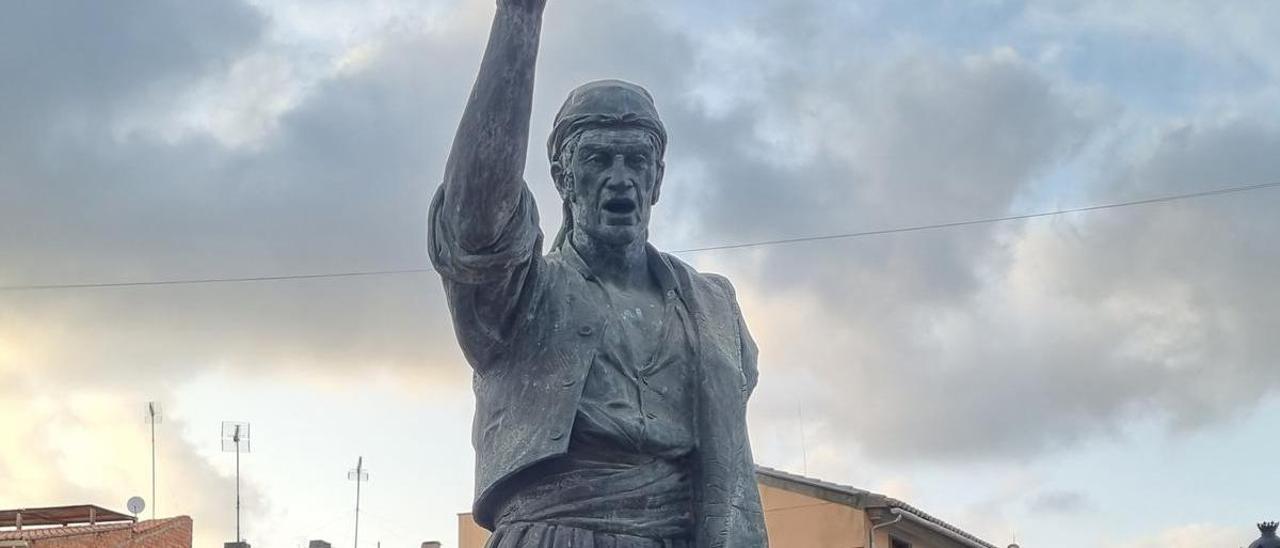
647 497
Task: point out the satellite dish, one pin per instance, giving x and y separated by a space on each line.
136 504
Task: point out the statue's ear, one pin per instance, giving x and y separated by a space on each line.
657 185
562 179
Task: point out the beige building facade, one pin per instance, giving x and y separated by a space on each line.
803 512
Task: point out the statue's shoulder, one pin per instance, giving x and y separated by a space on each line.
554 257
558 269
717 283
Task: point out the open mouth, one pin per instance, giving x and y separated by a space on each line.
620 206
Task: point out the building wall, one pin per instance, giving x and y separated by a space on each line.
801 521
110 538
470 535
914 536
884 538
175 534
794 521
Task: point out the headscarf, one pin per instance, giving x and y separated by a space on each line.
603 103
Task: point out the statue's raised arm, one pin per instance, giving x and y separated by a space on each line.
483 235
484 175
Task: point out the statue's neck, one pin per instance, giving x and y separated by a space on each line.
626 266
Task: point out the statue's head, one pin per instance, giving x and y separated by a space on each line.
607 161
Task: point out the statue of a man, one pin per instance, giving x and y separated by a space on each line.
611 379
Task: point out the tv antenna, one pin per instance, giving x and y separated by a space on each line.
235 439
155 415
359 475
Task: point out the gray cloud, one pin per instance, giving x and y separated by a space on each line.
341 183
67 65
984 342
1083 323
1000 341
1059 502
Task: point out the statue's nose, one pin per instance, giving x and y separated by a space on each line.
619 178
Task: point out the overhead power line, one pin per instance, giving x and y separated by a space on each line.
723 247
918 228
196 281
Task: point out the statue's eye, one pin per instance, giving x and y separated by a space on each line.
637 159
598 159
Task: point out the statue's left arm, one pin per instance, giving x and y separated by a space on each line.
750 352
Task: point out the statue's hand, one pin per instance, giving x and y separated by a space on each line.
535 6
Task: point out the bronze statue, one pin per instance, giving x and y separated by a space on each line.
1268 538
611 379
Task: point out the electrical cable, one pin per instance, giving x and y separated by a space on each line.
215 280
918 228
723 247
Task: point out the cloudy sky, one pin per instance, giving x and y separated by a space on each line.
1094 379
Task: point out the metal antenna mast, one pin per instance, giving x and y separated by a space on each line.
155 415
235 439
360 475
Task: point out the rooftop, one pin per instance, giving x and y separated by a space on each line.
41 533
852 496
60 515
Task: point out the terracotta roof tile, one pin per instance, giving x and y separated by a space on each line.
76 530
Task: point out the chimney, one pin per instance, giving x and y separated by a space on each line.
431 544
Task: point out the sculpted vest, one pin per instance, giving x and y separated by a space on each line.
527 394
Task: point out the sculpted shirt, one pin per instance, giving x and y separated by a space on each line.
637 394
626 470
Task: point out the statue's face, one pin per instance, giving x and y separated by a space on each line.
613 181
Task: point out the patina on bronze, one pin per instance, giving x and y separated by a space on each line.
611 379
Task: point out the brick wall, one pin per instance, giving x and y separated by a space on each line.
173 535
164 533
89 540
